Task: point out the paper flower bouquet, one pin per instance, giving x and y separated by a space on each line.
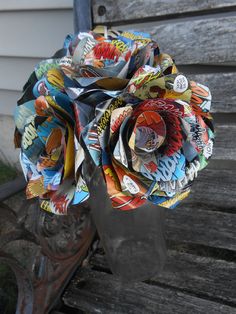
113 94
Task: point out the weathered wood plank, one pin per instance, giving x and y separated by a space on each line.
223 89
195 224
197 41
225 147
205 276
200 275
215 188
121 10
96 292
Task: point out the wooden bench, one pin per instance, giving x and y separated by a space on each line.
200 273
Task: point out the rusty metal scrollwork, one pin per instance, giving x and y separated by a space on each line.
53 246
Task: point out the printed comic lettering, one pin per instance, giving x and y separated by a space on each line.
99 129
29 135
168 187
134 36
104 121
166 169
192 170
152 76
46 206
44 67
175 199
106 51
88 46
144 78
180 84
151 104
197 131
141 78
169 107
129 35
174 135
208 149
183 182
117 122
66 62
162 105
120 45
144 41
167 166
174 186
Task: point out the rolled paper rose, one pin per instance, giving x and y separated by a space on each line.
145 124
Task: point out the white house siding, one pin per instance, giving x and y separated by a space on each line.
29 31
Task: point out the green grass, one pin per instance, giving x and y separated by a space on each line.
7 173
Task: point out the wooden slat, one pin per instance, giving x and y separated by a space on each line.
173 38
225 147
205 276
223 89
34 34
122 10
195 224
200 275
197 41
215 188
96 292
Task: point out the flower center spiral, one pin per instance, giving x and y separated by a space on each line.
149 132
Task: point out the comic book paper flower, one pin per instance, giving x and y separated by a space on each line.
113 94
